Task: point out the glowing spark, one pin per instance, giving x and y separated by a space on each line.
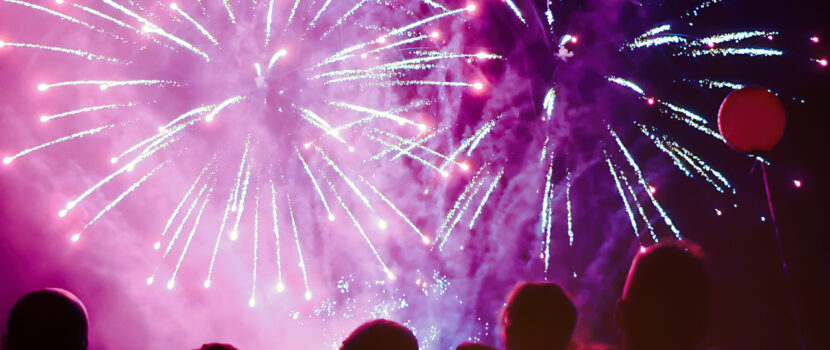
221 106
181 203
548 104
732 52
458 209
105 84
395 209
570 214
622 194
256 249
184 221
241 202
190 237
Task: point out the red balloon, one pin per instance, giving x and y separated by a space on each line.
751 120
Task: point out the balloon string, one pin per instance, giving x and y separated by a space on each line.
783 259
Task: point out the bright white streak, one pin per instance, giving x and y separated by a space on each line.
189 239
46 118
276 233
360 229
198 26
228 8
299 248
456 207
221 106
293 12
105 84
56 141
424 21
319 13
239 174
396 210
546 213
181 203
484 129
642 181
622 194
276 57
626 83
189 212
240 207
76 52
268 19
490 190
252 301
750 51
51 12
548 103
117 200
314 182
516 10
219 238
156 29
570 214
345 178
370 111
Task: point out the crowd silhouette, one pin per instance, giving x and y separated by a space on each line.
663 306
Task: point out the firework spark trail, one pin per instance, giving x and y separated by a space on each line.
388 272
198 26
642 181
80 134
155 140
345 178
316 185
639 206
484 129
228 8
623 196
627 83
415 145
117 200
408 154
656 41
570 213
490 190
187 194
458 210
544 149
696 11
252 301
240 206
280 285
51 12
187 214
188 114
76 52
733 37
192 234
106 17
299 249
403 216
106 84
45 118
548 104
547 213
219 237
320 123
516 11
313 22
277 55
150 27
239 174
377 113
269 18
413 142
293 12
215 111
711 84
677 152
339 21
731 51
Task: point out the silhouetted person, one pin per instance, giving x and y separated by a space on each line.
47 319
538 316
474 346
217 346
380 335
666 298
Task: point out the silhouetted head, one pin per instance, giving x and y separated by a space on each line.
380 334
474 346
217 346
538 316
666 298
52 319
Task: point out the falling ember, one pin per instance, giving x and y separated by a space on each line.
797 183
